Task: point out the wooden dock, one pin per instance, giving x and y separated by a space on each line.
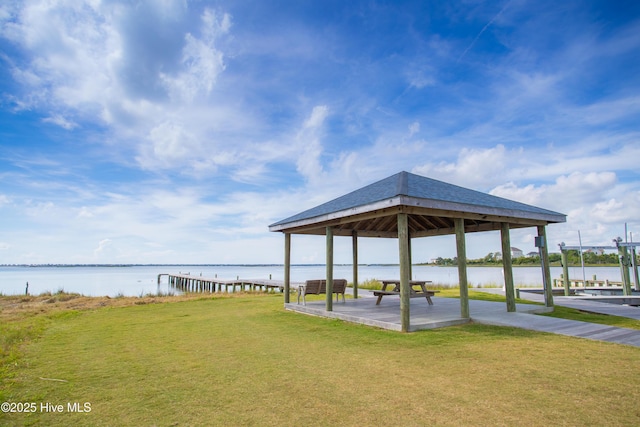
589 283
189 283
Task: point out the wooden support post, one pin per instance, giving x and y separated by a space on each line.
410 255
461 247
287 266
405 271
329 298
354 240
564 257
546 270
634 262
507 267
624 269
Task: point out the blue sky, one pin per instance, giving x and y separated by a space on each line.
177 131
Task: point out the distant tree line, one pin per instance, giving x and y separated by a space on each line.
573 257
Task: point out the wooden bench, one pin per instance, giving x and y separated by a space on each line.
317 287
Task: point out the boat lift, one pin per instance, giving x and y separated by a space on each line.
626 261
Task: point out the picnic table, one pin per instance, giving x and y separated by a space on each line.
421 292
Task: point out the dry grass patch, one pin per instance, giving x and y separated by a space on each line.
15 307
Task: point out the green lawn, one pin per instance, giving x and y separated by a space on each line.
247 361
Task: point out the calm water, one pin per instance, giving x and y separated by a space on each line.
140 280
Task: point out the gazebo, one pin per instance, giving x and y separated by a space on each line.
406 206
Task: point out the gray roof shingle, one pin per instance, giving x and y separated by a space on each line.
411 185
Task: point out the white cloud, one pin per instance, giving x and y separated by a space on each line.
317 118
611 211
608 110
308 140
201 61
85 213
102 63
171 143
189 94
414 128
61 121
42 210
592 202
475 168
70 43
568 191
103 246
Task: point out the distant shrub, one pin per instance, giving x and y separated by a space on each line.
372 284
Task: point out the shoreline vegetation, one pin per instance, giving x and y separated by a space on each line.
231 346
590 259
492 259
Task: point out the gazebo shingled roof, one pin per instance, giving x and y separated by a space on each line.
432 205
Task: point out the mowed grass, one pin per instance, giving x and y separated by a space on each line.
247 361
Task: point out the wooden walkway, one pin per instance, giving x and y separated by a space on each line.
189 283
446 312
573 327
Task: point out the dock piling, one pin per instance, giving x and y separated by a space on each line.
187 283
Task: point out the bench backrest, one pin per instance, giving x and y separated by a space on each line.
339 286
320 286
314 287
